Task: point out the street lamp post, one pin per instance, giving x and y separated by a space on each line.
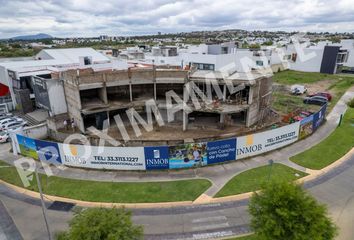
43 204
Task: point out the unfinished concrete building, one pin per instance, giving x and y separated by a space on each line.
93 97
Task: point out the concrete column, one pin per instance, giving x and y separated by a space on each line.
250 95
102 92
185 121
155 91
248 123
130 92
108 121
80 124
222 118
186 91
224 93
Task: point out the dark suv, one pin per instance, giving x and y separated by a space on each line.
316 100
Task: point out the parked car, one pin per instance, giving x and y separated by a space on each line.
4 137
15 128
322 94
349 71
10 119
298 89
5 115
316 100
15 124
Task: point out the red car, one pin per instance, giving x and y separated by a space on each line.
322 94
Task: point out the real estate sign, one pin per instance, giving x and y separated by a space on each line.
319 117
188 155
48 151
221 151
27 146
121 158
156 157
258 143
306 127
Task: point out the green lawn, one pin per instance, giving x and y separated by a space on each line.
340 87
330 149
252 180
289 77
185 190
286 103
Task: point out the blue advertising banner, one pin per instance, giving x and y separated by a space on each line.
306 127
156 157
319 117
221 151
48 151
306 120
188 155
27 146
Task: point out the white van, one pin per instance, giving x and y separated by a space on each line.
298 89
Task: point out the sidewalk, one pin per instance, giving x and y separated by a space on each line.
219 175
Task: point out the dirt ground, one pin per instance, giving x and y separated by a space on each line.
321 86
174 132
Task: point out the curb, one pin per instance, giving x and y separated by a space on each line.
202 199
34 194
313 174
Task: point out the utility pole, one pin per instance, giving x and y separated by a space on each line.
43 205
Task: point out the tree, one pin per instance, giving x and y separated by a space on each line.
102 224
268 43
351 103
255 46
284 210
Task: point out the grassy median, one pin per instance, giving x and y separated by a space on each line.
149 192
252 180
332 148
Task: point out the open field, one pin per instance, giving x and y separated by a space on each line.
330 149
289 77
149 192
284 102
252 180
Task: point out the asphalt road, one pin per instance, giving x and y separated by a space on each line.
336 189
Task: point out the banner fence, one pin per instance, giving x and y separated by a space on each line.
187 155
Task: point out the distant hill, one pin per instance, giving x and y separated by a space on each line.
32 37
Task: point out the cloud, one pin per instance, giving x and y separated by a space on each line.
63 18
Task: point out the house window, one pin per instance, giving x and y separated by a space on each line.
259 63
204 66
224 50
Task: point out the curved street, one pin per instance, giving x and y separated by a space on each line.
335 189
23 214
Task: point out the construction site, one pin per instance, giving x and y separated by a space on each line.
95 97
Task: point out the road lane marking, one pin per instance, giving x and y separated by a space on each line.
210 226
209 219
213 235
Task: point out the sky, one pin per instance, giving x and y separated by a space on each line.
86 18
